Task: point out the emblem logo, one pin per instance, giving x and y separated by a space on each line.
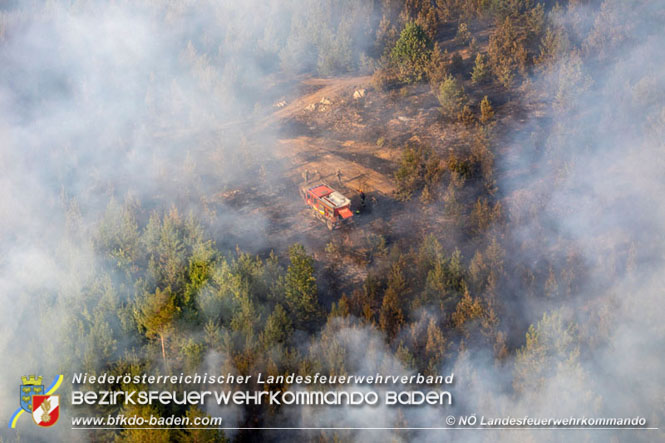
46 409
38 401
31 386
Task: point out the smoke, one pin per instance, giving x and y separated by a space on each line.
591 185
149 103
135 101
584 194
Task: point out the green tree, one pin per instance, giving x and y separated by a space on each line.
553 45
278 328
468 309
435 347
451 97
246 318
169 241
550 343
386 36
405 356
156 314
437 69
335 51
118 236
300 288
412 53
452 206
391 316
200 270
473 46
486 111
515 42
481 70
483 215
341 308
494 256
463 35
478 271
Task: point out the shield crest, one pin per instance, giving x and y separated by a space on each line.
46 409
26 394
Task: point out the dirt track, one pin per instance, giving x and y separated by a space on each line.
362 165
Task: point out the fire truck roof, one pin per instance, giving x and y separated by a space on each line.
328 195
320 191
338 200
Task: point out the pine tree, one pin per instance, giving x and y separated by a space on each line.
119 235
451 97
435 285
486 111
452 207
386 36
437 69
550 345
435 347
463 35
494 255
391 317
156 314
278 328
405 356
481 216
341 308
426 196
473 46
468 309
481 70
300 288
245 320
455 280
478 271
412 53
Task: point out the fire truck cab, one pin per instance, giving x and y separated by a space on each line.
327 204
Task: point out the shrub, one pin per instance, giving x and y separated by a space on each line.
456 64
461 168
419 167
384 79
466 116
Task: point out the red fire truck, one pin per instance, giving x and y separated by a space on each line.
327 204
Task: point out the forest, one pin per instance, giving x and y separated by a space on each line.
513 152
